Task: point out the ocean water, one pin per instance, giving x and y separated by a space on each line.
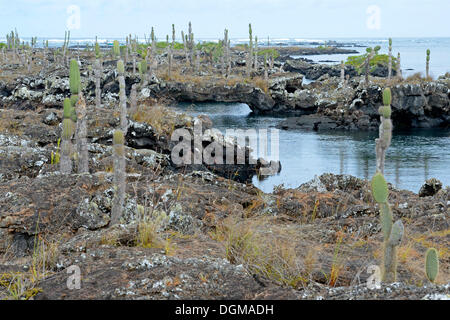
412 50
413 157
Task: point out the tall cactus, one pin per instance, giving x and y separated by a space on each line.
79 114
122 97
342 72
428 63
226 41
98 73
432 264
116 49
399 67
392 233
385 130
133 99
256 53
65 164
83 154
266 72
390 60
250 50
119 180
191 44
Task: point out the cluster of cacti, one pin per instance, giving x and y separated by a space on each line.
371 52
390 60
184 38
392 233
432 264
119 179
428 64
250 51
122 97
66 46
33 42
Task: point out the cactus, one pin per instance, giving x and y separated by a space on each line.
399 67
65 164
119 176
116 49
191 44
97 49
428 63
266 73
250 50
133 100
226 41
390 252
387 97
342 72
390 60
98 76
379 188
432 264
122 97
120 67
256 53
392 233
74 80
385 131
82 148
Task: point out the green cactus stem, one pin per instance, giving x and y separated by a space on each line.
432 264
116 49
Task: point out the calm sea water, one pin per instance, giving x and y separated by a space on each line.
414 156
412 50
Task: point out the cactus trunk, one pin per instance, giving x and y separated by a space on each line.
119 179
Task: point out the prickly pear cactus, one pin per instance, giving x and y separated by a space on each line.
432 264
392 232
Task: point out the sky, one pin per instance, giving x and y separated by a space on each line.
302 19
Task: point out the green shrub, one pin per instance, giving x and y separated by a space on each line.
270 52
358 61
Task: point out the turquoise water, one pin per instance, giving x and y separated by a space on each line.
414 156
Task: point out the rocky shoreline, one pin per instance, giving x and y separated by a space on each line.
326 103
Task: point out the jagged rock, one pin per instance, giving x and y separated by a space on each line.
430 188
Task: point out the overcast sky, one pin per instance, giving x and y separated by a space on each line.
274 18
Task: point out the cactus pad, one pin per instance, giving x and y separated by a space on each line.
432 264
379 188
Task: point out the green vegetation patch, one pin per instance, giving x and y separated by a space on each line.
358 61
